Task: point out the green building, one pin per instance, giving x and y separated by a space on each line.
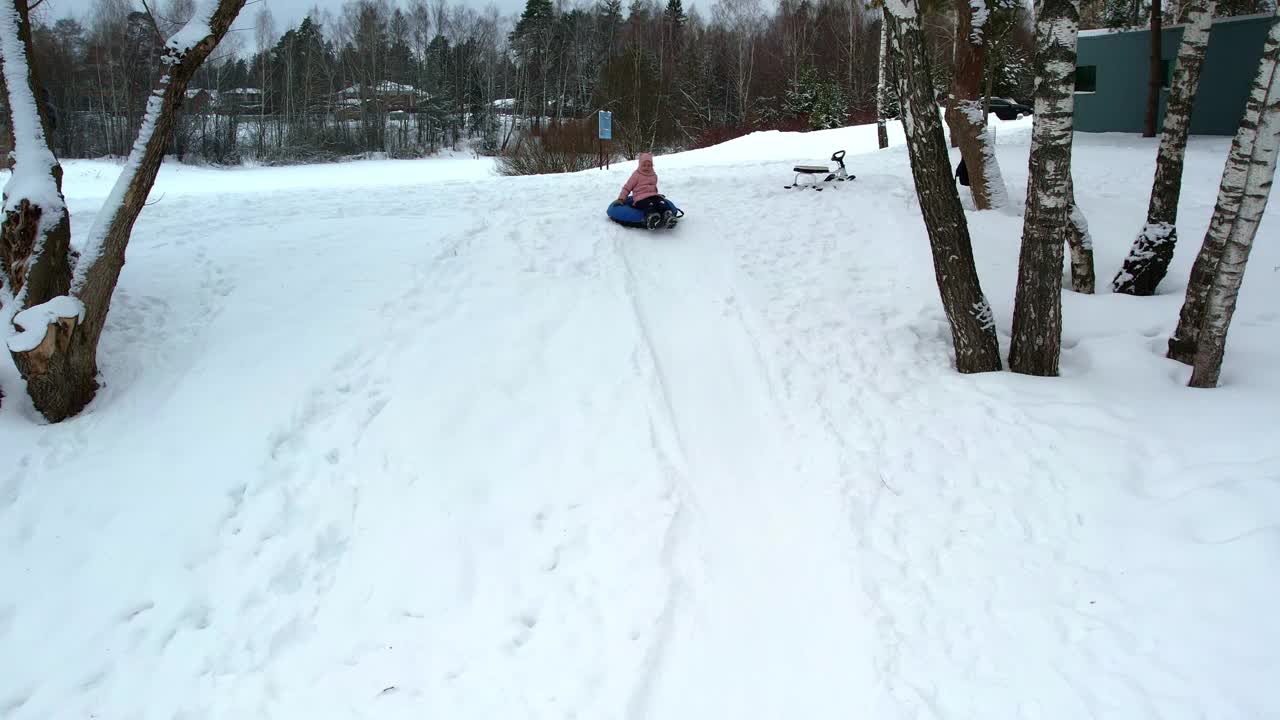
1112 70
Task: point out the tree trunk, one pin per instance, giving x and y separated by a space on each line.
1220 303
1080 241
964 109
973 327
1206 312
1152 251
35 237
58 358
882 86
1037 312
1154 81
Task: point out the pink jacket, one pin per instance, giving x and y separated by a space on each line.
643 183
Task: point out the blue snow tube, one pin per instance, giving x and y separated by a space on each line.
627 214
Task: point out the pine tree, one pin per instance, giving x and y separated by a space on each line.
674 14
964 107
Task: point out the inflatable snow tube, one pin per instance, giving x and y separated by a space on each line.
630 216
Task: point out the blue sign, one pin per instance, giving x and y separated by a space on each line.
606 125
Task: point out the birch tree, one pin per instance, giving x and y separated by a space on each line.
1047 225
56 347
973 327
965 114
882 86
1242 197
1152 251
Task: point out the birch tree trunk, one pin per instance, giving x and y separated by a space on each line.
1185 343
1220 299
973 327
1037 311
1080 241
56 350
964 109
882 85
1152 251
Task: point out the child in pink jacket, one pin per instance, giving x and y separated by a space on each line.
643 188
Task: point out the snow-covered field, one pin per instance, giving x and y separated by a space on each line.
408 440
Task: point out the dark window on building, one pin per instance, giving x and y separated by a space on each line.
1087 78
1166 74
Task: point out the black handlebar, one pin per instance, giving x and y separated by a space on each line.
838 155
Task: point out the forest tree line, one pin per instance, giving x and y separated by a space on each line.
411 77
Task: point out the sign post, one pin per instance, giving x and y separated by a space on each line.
605 133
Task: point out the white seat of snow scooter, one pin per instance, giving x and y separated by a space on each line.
811 169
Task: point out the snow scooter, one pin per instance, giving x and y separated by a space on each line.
841 174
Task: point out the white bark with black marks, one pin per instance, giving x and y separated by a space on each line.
973 328
882 87
1185 343
1152 251
1047 225
1080 241
1220 300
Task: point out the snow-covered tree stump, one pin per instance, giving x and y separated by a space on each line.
57 346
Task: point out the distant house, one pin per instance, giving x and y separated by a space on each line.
388 95
199 100
240 100
1112 69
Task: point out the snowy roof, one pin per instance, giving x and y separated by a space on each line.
383 88
505 103
243 91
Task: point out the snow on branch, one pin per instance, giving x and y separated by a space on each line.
33 323
98 234
195 31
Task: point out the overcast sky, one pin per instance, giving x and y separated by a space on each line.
286 13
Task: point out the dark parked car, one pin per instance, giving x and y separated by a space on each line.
1007 109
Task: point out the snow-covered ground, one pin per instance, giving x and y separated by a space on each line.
407 440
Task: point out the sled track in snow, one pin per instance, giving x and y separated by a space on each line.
655 655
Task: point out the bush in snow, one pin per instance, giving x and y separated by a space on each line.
567 147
